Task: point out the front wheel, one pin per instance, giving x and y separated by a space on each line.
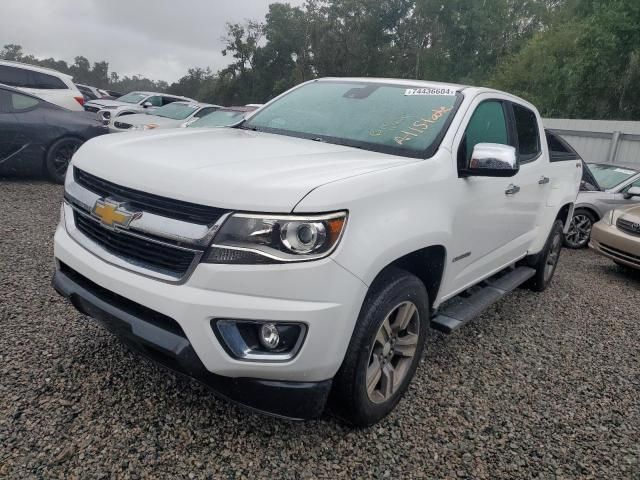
59 156
579 229
385 349
546 261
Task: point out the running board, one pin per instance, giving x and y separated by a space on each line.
471 303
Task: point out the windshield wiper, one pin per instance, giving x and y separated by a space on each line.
242 126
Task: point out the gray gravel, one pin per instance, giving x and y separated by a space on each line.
542 386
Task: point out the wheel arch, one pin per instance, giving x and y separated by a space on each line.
425 263
47 149
563 214
589 209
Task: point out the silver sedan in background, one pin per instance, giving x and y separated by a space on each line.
606 189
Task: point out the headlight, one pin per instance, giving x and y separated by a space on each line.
149 126
251 239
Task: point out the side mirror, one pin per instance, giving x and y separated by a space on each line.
632 192
492 160
147 104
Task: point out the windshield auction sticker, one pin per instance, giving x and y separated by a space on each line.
429 91
420 126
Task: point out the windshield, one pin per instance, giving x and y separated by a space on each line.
219 118
610 176
393 119
176 111
133 97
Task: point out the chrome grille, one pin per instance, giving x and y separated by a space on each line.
627 226
166 207
134 248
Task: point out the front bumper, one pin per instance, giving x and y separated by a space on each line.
321 294
164 342
609 241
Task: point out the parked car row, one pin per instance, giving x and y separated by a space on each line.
173 115
131 103
38 137
94 93
45 117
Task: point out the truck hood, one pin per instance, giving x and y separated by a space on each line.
226 168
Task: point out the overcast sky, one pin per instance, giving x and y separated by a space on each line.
159 39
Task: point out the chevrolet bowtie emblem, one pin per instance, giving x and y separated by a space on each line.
114 214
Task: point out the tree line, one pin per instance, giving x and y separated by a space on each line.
571 58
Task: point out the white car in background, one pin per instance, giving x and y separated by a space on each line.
50 85
223 117
173 115
131 103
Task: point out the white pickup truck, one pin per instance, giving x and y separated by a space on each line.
299 260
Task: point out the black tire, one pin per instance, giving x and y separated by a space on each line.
58 157
580 229
350 399
546 261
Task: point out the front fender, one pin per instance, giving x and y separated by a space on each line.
392 213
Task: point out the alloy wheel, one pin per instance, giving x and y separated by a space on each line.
579 231
62 156
392 352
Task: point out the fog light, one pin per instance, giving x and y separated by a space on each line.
269 336
260 340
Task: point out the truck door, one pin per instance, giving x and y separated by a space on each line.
536 178
494 216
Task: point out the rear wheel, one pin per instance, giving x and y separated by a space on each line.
546 261
579 229
385 349
59 156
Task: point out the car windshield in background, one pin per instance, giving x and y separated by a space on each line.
394 119
219 118
609 176
176 111
133 97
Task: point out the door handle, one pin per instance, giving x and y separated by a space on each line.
543 180
512 189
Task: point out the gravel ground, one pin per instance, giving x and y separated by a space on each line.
541 386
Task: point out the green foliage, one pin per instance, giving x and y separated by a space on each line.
588 68
571 58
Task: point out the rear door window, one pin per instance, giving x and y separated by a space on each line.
14 77
20 77
528 133
559 150
44 81
22 103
